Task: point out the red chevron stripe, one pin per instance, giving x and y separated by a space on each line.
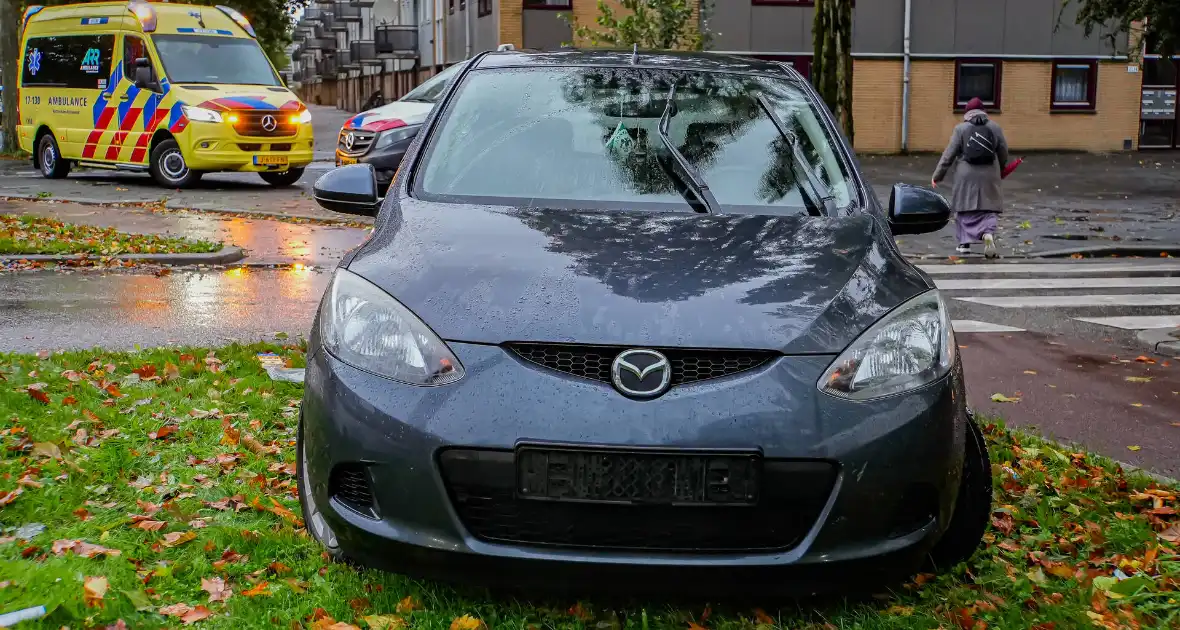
140 152
120 136
104 119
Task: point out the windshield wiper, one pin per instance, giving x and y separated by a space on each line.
815 193
692 178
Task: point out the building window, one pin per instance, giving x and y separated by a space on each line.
462 5
977 79
485 7
450 6
1075 85
555 5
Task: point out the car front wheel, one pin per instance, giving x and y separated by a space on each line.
281 178
972 509
168 166
53 165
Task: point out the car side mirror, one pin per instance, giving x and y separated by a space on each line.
349 189
917 210
143 74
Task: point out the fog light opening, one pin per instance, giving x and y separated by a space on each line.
917 507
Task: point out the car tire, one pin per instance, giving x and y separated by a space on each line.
168 167
281 178
52 164
972 509
316 526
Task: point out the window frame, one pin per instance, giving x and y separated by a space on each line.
1091 103
484 8
451 7
997 83
800 63
538 5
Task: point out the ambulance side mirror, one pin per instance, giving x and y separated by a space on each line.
143 74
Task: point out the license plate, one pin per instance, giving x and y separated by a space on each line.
637 477
270 160
344 161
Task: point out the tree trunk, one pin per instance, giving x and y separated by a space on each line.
831 66
10 28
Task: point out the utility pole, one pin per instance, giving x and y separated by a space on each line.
10 29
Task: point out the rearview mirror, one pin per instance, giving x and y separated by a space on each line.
143 74
917 210
349 189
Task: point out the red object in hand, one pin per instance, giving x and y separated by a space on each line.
1011 167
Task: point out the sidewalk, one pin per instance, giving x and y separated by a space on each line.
1059 203
266 242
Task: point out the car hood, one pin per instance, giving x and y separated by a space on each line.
410 113
493 275
224 97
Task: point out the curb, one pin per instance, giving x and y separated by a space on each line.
171 205
227 254
1109 250
1163 341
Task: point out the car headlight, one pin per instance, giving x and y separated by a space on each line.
387 138
200 114
366 328
912 346
304 117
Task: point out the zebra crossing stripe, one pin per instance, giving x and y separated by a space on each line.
1076 301
1048 268
984 284
974 326
1135 322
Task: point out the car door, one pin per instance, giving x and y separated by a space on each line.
65 76
135 107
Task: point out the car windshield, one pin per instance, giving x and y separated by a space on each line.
433 88
211 59
589 137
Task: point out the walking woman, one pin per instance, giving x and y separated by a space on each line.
979 147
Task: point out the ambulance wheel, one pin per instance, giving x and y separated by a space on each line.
53 165
168 167
281 178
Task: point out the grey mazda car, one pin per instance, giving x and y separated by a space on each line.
636 317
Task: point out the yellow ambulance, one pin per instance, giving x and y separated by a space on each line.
171 89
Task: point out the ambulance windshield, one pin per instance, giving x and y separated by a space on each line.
214 59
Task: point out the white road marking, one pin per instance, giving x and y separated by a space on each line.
1135 322
973 326
1048 268
1066 301
983 284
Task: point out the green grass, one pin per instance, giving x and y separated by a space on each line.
39 235
203 443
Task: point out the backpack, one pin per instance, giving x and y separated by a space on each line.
980 145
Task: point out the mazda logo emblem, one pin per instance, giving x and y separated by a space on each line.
349 140
269 123
641 373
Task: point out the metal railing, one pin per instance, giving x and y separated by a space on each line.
346 12
364 52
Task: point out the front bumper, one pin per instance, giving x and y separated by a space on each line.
896 465
210 147
384 160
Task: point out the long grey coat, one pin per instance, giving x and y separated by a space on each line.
977 187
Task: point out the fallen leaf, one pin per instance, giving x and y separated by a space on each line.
70 400
46 449
1030 372
1138 379
385 622
94 589
467 622
149 525
145 371
1143 359
163 432
278 568
1000 398
175 539
36 394
139 599
1133 448
408 604
1171 534
763 618
195 615
1136 404
900 611
216 588
176 610
171 372
10 496
257 590
82 513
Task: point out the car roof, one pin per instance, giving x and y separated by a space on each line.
688 61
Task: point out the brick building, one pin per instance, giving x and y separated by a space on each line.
1049 85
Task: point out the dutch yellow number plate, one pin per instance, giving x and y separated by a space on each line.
268 160
344 161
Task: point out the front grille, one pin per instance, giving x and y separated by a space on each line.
250 123
349 484
361 140
482 485
688 366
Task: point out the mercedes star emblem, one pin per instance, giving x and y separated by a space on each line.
269 123
641 373
349 140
